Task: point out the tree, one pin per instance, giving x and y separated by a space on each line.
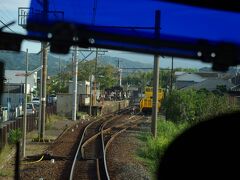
106 75
140 79
59 83
193 106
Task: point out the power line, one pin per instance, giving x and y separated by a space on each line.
3 18
5 25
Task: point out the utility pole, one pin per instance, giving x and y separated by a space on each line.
43 89
24 124
155 79
120 73
95 81
44 75
171 80
75 88
91 79
59 63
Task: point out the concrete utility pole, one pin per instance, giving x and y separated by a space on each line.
120 74
75 88
95 81
91 79
171 80
24 124
43 89
45 5
155 79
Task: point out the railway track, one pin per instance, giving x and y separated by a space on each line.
90 158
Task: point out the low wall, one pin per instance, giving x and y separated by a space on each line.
7 126
112 106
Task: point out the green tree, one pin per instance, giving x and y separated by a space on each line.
139 79
193 106
59 83
106 75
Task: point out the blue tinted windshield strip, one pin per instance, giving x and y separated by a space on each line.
176 20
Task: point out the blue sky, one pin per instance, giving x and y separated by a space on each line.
9 12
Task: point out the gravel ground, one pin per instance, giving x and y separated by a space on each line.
34 148
123 163
62 150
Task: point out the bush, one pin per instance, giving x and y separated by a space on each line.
193 106
155 147
15 136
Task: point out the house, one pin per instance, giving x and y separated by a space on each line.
17 77
211 84
208 74
203 80
187 79
14 88
64 100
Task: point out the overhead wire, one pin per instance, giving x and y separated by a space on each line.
6 26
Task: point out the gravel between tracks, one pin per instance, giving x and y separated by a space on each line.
122 162
121 158
62 147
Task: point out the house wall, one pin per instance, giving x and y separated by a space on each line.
15 99
83 87
12 76
64 104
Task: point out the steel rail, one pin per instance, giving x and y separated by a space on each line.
104 162
83 135
79 145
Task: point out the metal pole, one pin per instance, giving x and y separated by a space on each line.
155 79
75 74
43 89
24 124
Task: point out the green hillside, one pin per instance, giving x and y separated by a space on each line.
16 61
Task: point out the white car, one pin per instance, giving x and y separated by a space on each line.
30 108
35 100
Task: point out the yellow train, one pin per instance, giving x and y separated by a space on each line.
146 102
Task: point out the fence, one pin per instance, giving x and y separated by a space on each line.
7 126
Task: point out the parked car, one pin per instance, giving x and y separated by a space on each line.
52 99
36 105
36 100
3 114
30 108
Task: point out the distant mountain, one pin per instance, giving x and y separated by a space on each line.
16 61
123 63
